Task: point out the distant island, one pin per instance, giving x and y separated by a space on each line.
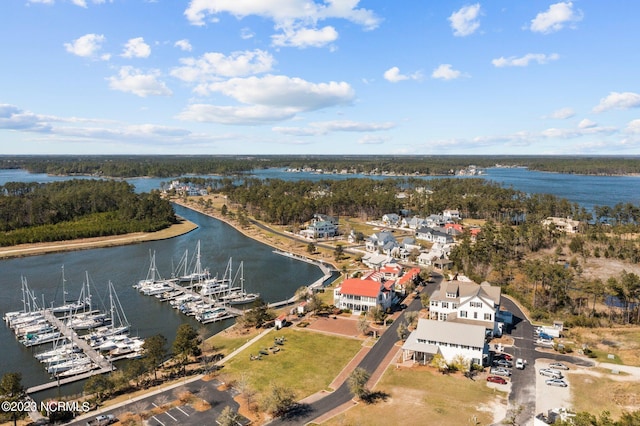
116 166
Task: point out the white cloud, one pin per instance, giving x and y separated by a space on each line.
589 128
86 46
524 61
132 80
136 48
283 11
632 127
324 127
269 98
14 118
373 140
80 3
616 100
184 45
562 114
393 75
283 91
246 33
243 115
213 65
445 72
465 21
305 37
587 124
555 18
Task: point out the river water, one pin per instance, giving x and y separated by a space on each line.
274 276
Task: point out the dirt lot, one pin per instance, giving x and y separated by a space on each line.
336 325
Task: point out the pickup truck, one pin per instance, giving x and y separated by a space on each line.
102 420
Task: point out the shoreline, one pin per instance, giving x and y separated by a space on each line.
35 249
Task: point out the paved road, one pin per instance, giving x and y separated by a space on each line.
370 362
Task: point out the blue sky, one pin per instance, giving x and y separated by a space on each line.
319 77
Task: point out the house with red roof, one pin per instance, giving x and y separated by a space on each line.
360 295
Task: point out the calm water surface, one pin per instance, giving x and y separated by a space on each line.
274 276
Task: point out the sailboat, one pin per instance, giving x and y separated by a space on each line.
119 322
197 274
153 284
238 295
216 286
81 303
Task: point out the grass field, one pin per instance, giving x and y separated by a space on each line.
597 394
419 395
622 342
231 339
306 363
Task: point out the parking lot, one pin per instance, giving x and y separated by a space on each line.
177 415
548 397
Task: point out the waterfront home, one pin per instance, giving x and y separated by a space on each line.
280 321
463 301
454 341
567 225
376 260
320 229
361 295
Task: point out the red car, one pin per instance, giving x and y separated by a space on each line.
504 355
496 379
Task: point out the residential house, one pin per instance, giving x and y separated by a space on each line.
567 225
280 321
434 220
382 242
431 235
361 295
414 223
464 301
451 215
320 229
411 276
391 219
449 339
376 260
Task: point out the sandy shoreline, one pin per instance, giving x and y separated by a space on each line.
22 250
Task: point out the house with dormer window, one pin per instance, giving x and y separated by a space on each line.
381 242
434 236
360 295
463 301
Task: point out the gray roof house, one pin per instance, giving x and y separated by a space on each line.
451 340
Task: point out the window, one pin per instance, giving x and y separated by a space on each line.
445 305
487 317
475 304
443 317
475 315
463 314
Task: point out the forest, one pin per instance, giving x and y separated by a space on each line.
540 265
78 208
176 165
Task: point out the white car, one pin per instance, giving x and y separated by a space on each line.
558 366
520 364
548 372
557 382
500 371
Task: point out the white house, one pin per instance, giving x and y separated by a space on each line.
430 234
360 295
451 214
391 219
567 225
320 229
464 301
451 340
413 223
383 242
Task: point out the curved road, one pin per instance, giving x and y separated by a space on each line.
370 362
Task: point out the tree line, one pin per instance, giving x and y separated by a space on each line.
179 165
78 208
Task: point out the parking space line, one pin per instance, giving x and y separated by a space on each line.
156 419
183 412
174 419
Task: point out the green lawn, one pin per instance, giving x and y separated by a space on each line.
226 342
306 363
